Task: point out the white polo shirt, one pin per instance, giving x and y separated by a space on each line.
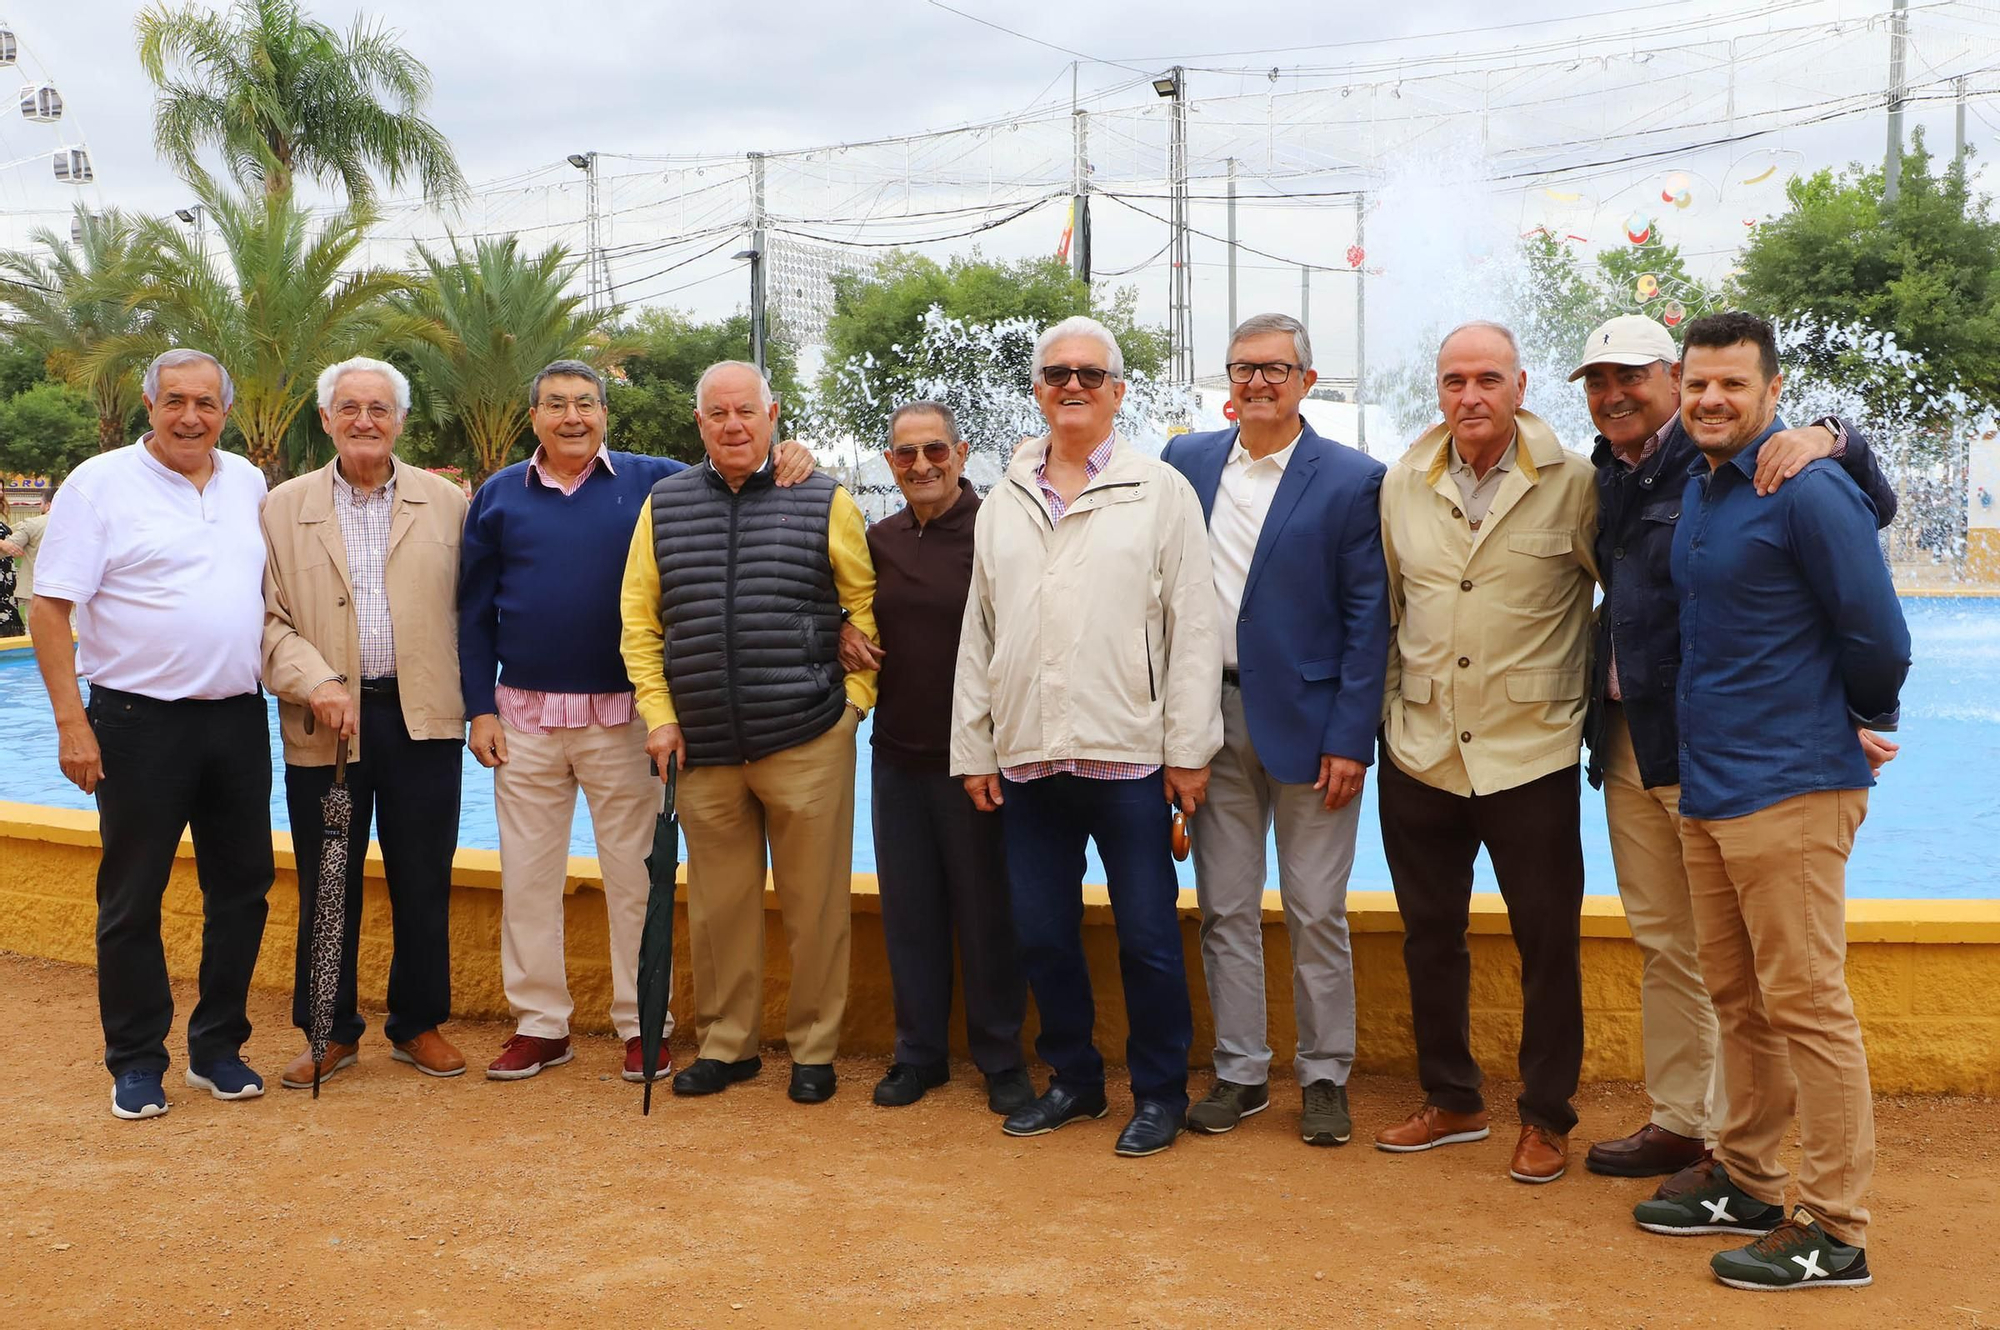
168 580
1242 501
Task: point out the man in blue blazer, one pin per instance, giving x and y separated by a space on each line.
1295 540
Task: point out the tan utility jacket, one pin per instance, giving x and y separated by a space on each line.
1488 656
1093 638
310 634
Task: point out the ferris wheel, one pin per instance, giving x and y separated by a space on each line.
45 164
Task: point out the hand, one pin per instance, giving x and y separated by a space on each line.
1879 751
664 742
1341 778
1186 787
9 550
1787 452
488 741
794 462
985 792
78 756
858 655
333 707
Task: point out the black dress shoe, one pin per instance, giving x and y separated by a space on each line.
713 1075
1151 1130
1057 1108
1008 1092
812 1082
906 1083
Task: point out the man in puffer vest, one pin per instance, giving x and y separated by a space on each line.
735 592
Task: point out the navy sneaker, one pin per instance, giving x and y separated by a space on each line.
138 1094
227 1078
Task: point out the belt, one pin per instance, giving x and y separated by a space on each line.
382 687
1231 677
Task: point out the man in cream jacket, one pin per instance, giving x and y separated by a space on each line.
1087 698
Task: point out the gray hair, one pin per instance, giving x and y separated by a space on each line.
764 398
1486 325
927 408
1258 324
1079 325
330 377
187 355
563 369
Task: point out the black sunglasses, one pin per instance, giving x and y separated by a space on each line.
904 455
1090 376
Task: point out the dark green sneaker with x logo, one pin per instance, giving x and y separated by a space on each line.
1701 1199
1796 1254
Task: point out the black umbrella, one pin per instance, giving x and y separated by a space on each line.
656 942
336 811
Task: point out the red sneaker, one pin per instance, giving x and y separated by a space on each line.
524 1054
635 1062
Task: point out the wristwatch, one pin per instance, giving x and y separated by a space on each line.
1832 425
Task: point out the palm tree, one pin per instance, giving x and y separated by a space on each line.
282 95
70 304
505 315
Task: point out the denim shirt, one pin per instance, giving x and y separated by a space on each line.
1791 636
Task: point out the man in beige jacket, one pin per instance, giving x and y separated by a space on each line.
361 647
1487 525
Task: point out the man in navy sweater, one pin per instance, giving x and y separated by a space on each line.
539 574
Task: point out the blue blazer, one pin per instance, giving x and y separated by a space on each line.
1312 638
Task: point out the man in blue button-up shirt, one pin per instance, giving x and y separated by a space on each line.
1792 639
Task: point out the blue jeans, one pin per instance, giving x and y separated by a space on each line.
1047 823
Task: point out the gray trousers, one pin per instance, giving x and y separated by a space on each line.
1315 855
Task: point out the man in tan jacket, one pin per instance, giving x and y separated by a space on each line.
1487 525
361 648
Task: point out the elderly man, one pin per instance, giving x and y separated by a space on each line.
157 548
360 639
538 594
1295 544
1487 524
1631 380
1773 789
1087 664
735 593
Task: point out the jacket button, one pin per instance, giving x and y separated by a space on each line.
1465 586
1465 736
341 600
1618 553
1456 513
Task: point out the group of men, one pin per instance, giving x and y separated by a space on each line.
1230 630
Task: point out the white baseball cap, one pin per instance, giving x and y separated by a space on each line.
1629 339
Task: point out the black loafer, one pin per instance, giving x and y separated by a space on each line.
1008 1092
906 1083
1151 1130
713 1075
812 1082
1057 1108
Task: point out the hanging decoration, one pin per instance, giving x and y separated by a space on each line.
1638 228
1673 313
1763 175
1355 254
1678 190
1647 287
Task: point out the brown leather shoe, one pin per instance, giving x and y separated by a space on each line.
430 1053
299 1076
1650 1152
1539 1156
1430 1127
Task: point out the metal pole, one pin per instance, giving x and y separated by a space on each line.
592 237
1232 247
1958 141
1892 166
1183 310
1306 296
1079 186
758 330
1361 321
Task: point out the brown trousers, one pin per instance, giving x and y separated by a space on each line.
1770 911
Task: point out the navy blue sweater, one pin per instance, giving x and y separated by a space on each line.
538 580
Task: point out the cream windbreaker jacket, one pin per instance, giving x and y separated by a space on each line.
1093 638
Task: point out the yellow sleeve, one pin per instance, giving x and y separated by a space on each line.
642 640
854 582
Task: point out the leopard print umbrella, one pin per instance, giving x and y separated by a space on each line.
336 809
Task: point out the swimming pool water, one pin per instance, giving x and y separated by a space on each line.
1933 825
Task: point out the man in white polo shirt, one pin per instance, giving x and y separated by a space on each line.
158 549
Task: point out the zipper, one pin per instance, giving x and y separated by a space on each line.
1152 692
729 624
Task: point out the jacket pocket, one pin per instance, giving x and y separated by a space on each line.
1541 544
1316 671
1544 685
1417 688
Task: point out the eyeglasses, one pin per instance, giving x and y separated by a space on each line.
375 411
904 455
1089 376
1274 371
559 406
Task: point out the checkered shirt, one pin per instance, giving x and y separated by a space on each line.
364 528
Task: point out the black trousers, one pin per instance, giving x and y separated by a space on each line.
170 767
410 789
1431 838
942 870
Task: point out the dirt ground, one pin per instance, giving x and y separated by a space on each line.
398 1200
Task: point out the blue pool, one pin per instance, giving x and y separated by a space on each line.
1933 823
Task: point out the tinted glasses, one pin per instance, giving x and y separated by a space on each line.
1089 376
904 455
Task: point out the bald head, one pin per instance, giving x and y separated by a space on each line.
1485 338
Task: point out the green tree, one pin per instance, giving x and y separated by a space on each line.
280 95
662 353
46 431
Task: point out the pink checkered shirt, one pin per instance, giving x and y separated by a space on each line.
364 529
1099 458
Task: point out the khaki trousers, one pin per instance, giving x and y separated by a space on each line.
801 802
534 801
1676 1019
1770 910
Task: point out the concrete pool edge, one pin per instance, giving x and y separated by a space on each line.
1925 974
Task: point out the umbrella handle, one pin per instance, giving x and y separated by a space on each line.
673 778
340 764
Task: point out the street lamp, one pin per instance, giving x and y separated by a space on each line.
1180 298
1169 84
193 215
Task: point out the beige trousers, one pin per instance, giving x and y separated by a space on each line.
534 801
1770 910
1676 1020
800 802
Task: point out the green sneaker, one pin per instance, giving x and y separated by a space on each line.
1701 1199
1796 1254
1228 1104
1325 1121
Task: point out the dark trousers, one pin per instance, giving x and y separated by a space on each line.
1430 838
409 787
941 868
170 767
1047 824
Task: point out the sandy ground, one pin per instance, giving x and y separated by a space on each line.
398 1200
